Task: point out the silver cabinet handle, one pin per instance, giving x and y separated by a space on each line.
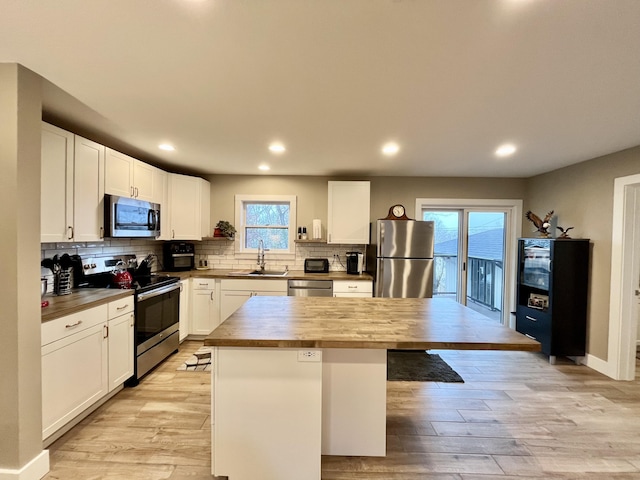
73 324
530 318
530 336
211 295
122 307
132 191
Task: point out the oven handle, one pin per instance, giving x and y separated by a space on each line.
160 291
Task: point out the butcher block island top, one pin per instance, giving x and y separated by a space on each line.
367 323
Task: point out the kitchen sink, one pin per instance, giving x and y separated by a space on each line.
260 273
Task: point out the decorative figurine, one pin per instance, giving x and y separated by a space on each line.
541 225
564 233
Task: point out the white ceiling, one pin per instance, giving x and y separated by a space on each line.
448 80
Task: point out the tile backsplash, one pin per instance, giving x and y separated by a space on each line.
220 254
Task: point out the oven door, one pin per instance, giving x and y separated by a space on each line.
157 314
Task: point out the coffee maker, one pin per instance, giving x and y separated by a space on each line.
355 263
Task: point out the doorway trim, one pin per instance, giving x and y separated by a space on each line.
513 229
625 257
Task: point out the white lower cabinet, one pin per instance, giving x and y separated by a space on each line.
234 292
85 356
185 304
352 288
121 341
205 315
74 366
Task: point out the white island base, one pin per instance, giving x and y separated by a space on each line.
275 411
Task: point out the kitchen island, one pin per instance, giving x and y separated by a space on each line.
295 378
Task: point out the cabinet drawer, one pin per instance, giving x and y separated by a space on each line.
340 286
63 327
535 324
120 307
203 283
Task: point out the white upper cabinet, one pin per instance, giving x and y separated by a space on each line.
72 187
205 208
88 188
189 209
56 189
127 177
349 212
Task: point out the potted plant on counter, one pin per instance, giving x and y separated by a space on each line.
224 229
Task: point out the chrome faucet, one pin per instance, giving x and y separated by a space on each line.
261 250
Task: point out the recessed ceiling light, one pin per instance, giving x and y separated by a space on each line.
390 148
505 150
264 167
277 147
167 147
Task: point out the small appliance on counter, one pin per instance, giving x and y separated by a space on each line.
316 265
179 256
355 263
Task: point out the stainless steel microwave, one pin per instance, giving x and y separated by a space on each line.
129 217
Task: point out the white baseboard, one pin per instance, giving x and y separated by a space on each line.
34 470
600 365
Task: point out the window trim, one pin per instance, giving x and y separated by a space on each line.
240 201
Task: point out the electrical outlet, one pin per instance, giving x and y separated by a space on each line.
309 355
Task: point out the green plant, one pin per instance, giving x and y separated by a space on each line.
226 229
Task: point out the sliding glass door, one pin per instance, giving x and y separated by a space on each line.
470 256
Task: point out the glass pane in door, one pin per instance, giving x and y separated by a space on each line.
446 241
485 262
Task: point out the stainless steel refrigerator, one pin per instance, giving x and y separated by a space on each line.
404 259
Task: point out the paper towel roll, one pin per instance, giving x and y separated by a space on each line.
317 229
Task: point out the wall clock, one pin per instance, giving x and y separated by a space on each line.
397 212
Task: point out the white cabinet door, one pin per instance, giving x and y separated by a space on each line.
204 306
165 205
349 212
143 181
56 189
121 349
184 309
159 180
205 208
127 177
118 174
88 186
232 300
185 207
234 292
74 376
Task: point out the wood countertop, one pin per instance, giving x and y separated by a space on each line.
292 275
80 299
384 323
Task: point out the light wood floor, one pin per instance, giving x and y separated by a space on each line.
515 417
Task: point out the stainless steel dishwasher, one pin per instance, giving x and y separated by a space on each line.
311 288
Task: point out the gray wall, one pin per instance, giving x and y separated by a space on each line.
20 362
582 196
385 191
